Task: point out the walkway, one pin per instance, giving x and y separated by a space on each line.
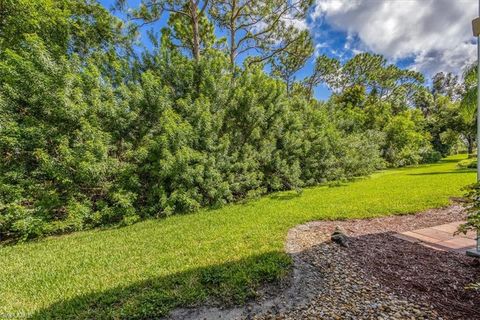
441 237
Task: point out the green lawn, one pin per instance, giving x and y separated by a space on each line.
145 270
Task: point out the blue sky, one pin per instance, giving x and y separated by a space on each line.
424 35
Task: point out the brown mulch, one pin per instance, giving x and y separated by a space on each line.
411 270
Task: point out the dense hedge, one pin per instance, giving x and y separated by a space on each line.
79 151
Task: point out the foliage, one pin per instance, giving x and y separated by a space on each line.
468 107
287 62
473 219
82 152
405 143
371 71
469 163
264 27
58 172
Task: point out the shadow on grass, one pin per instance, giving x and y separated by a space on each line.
446 160
434 173
226 284
285 196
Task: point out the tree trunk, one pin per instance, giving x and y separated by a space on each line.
470 145
195 30
233 47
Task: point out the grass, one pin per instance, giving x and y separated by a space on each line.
145 270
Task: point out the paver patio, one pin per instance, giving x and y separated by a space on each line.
441 237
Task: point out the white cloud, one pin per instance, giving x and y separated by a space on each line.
299 24
319 47
436 34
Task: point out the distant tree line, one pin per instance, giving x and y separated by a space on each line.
93 133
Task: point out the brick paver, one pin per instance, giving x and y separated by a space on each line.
441 237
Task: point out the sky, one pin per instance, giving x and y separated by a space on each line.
423 35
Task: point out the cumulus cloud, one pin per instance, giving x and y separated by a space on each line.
435 34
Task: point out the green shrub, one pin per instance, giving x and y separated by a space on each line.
473 216
81 152
430 156
470 163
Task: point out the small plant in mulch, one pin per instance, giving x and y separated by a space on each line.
473 209
473 217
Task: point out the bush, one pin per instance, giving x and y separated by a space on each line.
81 152
406 143
430 156
473 216
468 164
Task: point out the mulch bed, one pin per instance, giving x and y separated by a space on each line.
411 270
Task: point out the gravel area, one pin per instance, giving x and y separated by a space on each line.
377 276
344 292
